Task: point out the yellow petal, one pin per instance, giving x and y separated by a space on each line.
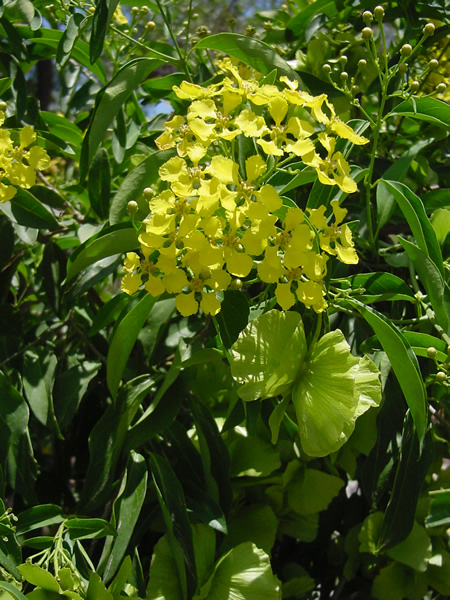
239 264
27 136
269 197
209 304
278 108
255 166
226 170
131 283
186 304
345 131
285 297
154 286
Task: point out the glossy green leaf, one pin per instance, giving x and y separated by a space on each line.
300 22
126 511
26 210
80 51
109 101
24 10
109 242
440 221
425 109
420 342
439 511
39 377
135 182
69 37
11 589
102 18
64 129
39 577
173 505
99 185
96 589
396 172
376 287
421 228
124 338
251 51
86 529
233 316
164 583
106 441
255 523
70 388
313 492
411 471
431 278
403 361
415 550
262 355
39 516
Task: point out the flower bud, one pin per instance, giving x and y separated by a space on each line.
403 67
343 60
250 30
144 10
150 25
415 86
132 207
431 352
355 90
362 64
429 29
406 50
344 75
148 193
378 11
91 9
433 64
3 105
268 26
134 10
326 68
367 17
440 89
441 376
367 33
236 284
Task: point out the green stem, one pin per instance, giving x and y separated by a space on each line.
175 43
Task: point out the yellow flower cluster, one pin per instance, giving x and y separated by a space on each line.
215 222
18 164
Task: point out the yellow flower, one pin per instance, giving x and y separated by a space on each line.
336 239
334 169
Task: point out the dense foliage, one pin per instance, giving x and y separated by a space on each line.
225 310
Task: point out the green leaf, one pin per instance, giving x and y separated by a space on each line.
109 242
24 10
420 342
440 221
80 51
38 380
135 182
96 589
267 356
431 277
70 388
164 583
100 23
109 100
403 361
69 37
421 228
87 529
255 523
124 339
411 471
99 184
233 316
39 577
173 505
300 22
251 51
415 550
396 172
251 456
439 511
126 510
376 287
26 210
39 516
106 441
425 109
243 573
11 589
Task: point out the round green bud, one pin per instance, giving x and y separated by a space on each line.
429 29
415 86
91 9
355 90
326 68
362 64
403 67
378 11
236 284
440 89
441 376
284 7
144 10
343 60
431 352
367 33
150 25
185 23
195 16
367 17
149 193
3 105
250 30
433 64
134 10
344 75
132 207
406 50
268 26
